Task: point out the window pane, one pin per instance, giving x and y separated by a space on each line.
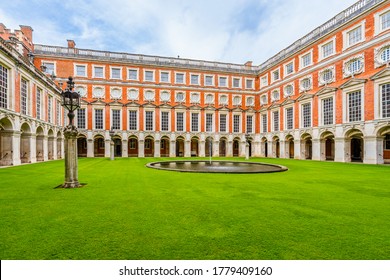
3 87
327 109
385 89
164 121
355 36
81 118
354 106
180 121
116 119
99 118
132 120
306 112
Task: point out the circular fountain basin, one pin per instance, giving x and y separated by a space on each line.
204 166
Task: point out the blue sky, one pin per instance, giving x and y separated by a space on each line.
217 30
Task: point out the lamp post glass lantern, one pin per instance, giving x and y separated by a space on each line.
71 102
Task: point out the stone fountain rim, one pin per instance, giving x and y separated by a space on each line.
281 167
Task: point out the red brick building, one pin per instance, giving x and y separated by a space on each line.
325 97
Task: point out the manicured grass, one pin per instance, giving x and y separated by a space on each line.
316 210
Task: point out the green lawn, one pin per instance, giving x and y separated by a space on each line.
315 210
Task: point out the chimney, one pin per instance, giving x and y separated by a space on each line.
27 31
248 64
71 44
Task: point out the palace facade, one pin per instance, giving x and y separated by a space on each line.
325 97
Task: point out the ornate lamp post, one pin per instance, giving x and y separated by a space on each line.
71 102
247 139
112 134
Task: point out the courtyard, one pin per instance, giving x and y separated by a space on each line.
315 210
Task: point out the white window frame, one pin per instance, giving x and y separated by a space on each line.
273 120
252 82
194 74
212 119
169 120
212 80
196 112
285 117
120 72
238 97
378 114
153 120
226 81
239 82
264 99
301 117
131 90
240 122
378 24
285 68
247 101
151 99
253 123
321 50
321 111
301 57
184 96
273 80
347 62
264 80
273 93
85 117
98 66
128 74
220 101
137 120
205 98
154 75
184 120
120 117
346 32
45 62
301 88
192 99
321 81
75 65
285 92
184 78
103 90
165 92
116 88
169 76
226 114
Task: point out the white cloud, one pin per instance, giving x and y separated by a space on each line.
218 30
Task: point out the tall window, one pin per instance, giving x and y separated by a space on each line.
23 96
354 106
289 68
306 115
116 119
306 60
132 120
149 120
58 110
276 120
38 103
385 21
49 109
289 118
354 36
164 121
236 123
249 124
195 122
209 122
98 118
222 123
275 75
264 123
385 89
81 118
327 109
3 87
179 121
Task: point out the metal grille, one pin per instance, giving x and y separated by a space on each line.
81 118
276 120
98 118
165 121
264 123
249 124
354 106
385 100
289 118
327 109
236 123
306 113
23 97
149 120
132 120
222 123
194 122
179 121
3 87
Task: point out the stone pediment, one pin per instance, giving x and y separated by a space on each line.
99 102
116 103
381 74
209 108
132 104
305 96
237 109
180 106
165 105
274 105
195 107
326 90
148 105
353 82
287 101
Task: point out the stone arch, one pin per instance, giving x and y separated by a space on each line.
6 141
39 143
82 144
327 145
222 146
290 151
180 146
195 146
59 145
164 146
264 146
149 146
99 145
276 146
236 147
306 146
383 134
25 143
354 145
50 144
132 146
117 139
